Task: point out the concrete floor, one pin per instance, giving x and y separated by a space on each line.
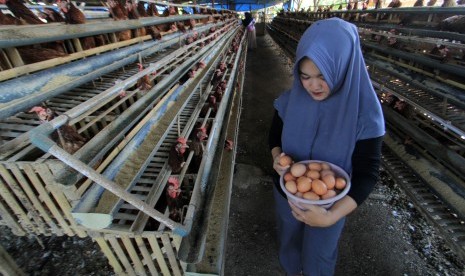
370 245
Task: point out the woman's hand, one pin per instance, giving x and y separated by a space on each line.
313 215
277 167
317 216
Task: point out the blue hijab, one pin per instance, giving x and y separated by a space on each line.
328 130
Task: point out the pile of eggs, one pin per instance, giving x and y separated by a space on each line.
312 180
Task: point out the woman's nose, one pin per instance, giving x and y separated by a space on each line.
313 84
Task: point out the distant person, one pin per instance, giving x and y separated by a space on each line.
331 113
249 23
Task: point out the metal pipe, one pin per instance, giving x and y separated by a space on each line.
91 197
16 96
193 246
94 150
25 35
454 160
449 68
39 137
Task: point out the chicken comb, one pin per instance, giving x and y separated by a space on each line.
37 109
173 180
182 140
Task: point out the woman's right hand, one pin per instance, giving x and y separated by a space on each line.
277 167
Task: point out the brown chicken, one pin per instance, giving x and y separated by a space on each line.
73 15
20 11
153 31
119 12
66 136
211 104
197 137
144 84
173 199
51 15
141 9
33 54
8 19
228 145
131 7
176 158
152 10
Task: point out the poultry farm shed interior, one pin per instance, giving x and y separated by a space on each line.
147 135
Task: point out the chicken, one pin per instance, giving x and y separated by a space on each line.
118 12
454 23
197 137
51 15
228 145
211 104
33 54
217 77
8 19
176 158
141 9
131 7
153 31
20 11
69 139
152 10
73 15
173 199
441 53
144 84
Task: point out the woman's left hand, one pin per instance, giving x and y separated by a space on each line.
313 215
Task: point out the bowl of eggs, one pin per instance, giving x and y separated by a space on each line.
315 182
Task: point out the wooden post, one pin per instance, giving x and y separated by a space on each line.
7 265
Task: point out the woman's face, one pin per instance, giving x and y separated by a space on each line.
312 80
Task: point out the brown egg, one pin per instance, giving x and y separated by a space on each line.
311 196
288 177
329 180
319 187
326 172
291 187
304 184
315 166
340 183
329 194
325 166
299 194
298 169
285 161
313 174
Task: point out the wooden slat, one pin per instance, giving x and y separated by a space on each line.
23 219
139 267
147 257
11 220
158 254
19 193
57 193
21 69
7 264
170 254
120 253
25 184
44 196
109 254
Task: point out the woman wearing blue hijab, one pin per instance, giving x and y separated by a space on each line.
333 114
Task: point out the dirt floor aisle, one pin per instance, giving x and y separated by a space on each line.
376 240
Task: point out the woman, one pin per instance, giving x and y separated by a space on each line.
333 114
249 24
